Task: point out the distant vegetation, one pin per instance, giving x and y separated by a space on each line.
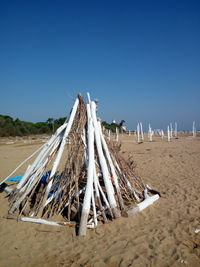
11 127
112 126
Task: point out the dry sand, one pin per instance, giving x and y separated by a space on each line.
162 235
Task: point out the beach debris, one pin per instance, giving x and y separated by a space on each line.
79 175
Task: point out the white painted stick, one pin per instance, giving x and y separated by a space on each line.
104 168
90 174
28 190
61 149
143 205
112 168
40 221
101 191
42 163
88 96
42 154
68 128
94 209
21 164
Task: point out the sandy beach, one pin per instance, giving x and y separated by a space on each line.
161 235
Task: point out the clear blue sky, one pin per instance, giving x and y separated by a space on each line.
141 59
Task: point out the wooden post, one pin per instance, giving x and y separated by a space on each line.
175 130
168 134
142 134
171 130
138 133
194 134
162 134
150 133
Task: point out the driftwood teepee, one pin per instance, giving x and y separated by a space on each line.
80 175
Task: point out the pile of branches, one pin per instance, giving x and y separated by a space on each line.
78 174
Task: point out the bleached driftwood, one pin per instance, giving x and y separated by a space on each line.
21 164
102 160
42 154
60 152
40 221
142 205
112 168
90 175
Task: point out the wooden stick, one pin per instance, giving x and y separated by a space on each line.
42 154
104 168
21 164
60 152
40 221
90 173
112 168
98 196
142 205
